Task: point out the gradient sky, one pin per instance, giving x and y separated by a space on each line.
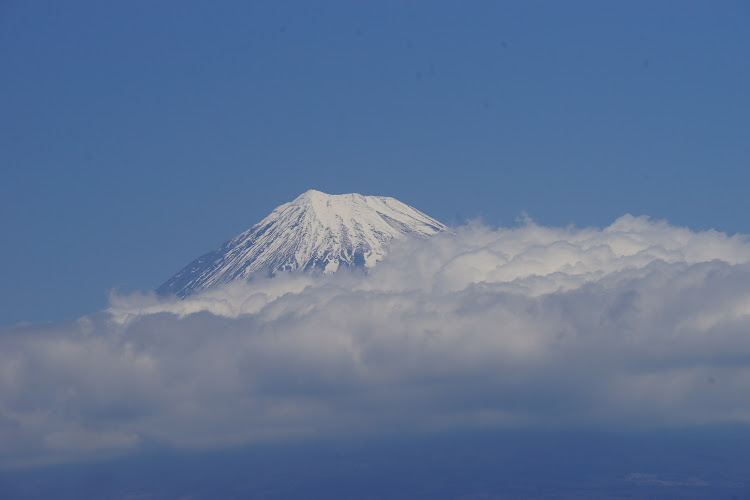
136 136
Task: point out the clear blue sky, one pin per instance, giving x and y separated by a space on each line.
135 136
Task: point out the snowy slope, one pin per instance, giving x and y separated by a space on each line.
316 231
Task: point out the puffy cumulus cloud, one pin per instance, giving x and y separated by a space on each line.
641 324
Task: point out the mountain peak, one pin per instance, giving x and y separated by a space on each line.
316 231
319 198
314 192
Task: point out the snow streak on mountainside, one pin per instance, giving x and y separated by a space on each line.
316 231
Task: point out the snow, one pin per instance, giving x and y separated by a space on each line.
314 232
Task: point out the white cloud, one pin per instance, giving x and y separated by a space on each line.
640 324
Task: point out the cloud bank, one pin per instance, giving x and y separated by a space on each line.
637 325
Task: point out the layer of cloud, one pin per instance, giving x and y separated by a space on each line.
641 324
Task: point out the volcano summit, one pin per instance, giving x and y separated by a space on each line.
316 231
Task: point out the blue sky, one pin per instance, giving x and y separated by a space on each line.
136 136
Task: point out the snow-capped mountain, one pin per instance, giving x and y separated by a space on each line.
316 231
